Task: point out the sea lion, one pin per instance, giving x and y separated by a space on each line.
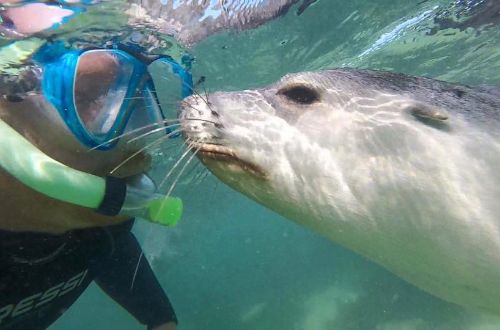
403 170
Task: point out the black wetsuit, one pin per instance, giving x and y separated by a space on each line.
41 275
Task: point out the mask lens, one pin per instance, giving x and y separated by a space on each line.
144 115
101 82
169 87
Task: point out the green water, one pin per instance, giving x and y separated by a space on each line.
231 264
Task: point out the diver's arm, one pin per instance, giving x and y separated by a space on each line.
127 277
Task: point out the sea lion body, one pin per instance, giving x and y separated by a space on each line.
403 170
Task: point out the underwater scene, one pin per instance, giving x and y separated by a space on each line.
234 264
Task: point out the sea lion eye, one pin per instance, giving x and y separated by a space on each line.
300 94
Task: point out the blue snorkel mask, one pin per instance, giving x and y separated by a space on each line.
103 93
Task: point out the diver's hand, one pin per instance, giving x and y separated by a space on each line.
166 326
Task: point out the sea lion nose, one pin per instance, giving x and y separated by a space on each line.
200 120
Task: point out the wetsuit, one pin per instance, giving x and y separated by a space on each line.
41 275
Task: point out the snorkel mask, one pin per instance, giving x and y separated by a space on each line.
103 93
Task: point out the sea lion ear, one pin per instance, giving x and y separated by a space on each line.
435 117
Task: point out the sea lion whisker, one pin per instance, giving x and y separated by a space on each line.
203 174
193 107
206 96
134 98
171 146
191 88
181 172
201 97
135 130
192 177
147 146
174 102
136 269
168 120
195 92
201 82
202 170
216 125
189 105
189 148
156 130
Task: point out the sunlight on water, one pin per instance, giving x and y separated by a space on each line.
231 264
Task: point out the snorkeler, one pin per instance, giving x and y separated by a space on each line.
52 244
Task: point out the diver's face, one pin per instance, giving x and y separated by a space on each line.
37 120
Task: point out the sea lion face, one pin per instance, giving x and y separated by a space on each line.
274 135
396 168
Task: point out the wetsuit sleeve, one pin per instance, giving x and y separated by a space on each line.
127 277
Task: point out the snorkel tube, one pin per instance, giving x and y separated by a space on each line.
108 196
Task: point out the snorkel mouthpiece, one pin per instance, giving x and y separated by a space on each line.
135 197
142 201
165 211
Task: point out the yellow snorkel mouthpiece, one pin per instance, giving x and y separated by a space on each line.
142 200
